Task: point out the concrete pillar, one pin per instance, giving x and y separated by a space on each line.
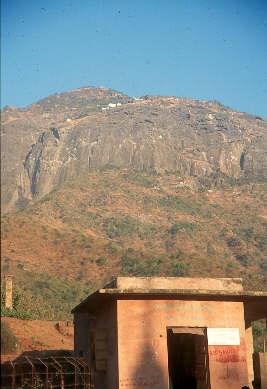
249 349
8 292
263 367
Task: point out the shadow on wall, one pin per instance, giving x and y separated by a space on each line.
149 373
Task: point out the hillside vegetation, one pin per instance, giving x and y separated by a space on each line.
124 222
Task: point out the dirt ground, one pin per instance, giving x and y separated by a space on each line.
39 336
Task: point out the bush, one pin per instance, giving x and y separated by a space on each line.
233 242
177 255
130 266
101 261
259 335
9 342
134 266
231 266
182 227
261 241
179 269
122 226
39 296
179 204
112 248
247 233
243 259
223 233
142 180
127 226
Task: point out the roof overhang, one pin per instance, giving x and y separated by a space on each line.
96 300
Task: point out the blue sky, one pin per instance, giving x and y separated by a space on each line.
205 49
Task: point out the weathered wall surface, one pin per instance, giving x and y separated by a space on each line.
260 369
81 337
106 346
250 350
179 283
142 341
101 329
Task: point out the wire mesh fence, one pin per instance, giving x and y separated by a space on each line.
47 373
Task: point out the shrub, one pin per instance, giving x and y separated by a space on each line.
179 269
243 259
223 233
169 245
143 180
247 233
101 261
112 248
127 226
120 226
9 342
261 241
178 255
231 266
40 296
179 204
132 265
233 242
182 227
259 335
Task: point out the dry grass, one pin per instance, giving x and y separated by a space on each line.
84 230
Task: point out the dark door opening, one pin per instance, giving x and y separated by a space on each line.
187 359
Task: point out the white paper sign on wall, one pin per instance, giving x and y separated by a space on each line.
223 336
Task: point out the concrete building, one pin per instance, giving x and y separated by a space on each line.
160 333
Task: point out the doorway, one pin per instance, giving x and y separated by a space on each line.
187 358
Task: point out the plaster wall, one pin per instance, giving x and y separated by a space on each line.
106 322
81 334
142 341
102 328
263 367
250 350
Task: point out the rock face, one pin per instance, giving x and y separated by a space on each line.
21 128
69 134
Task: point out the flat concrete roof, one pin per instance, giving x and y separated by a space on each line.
94 301
176 283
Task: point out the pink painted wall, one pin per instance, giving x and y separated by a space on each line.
142 341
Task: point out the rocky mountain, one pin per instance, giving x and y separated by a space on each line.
69 134
22 129
97 184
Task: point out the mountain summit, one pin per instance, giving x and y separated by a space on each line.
69 134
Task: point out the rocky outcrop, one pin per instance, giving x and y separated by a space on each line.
21 129
196 139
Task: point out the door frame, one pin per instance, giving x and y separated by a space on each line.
200 331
